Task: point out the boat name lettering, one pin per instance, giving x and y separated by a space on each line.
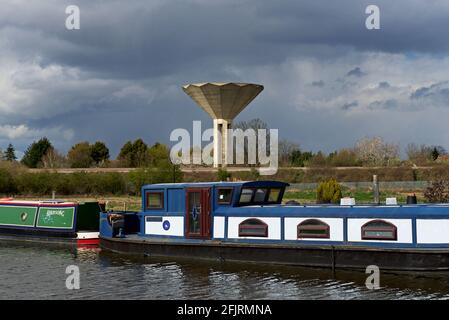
55 213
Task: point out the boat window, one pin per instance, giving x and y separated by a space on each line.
224 195
260 195
246 195
155 200
313 228
274 194
253 228
379 230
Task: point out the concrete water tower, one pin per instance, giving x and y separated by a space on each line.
223 102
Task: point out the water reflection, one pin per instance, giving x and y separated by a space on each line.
31 272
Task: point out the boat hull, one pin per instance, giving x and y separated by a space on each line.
348 257
56 238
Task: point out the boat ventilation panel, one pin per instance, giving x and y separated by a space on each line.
347 201
391 201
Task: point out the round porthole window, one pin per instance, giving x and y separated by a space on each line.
24 216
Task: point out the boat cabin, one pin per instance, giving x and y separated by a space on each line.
193 210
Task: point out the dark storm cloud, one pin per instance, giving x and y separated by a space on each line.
383 104
139 38
384 85
356 72
351 105
436 89
319 84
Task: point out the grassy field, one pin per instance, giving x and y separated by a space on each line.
361 196
133 203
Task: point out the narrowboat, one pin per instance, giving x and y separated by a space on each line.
51 221
247 221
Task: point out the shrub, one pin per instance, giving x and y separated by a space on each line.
223 175
438 191
165 172
329 192
7 184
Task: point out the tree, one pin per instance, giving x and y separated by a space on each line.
53 159
34 153
286 149
126 155
254 124
99 152
158 153
299 158
376 152
140 150
134 154
317 160
10 154
79 155
419 154
343 158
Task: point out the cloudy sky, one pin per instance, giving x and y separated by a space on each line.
328 80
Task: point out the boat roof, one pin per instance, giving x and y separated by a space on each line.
6 201
249 184
339 211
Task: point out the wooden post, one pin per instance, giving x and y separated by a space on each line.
376 189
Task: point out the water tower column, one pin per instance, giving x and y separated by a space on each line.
221 127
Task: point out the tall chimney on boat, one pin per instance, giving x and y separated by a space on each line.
376 189
223 101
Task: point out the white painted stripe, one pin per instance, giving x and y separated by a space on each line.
219 227
87 235
432 230
156 227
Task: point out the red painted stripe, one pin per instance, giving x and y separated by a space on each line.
57 205
90 242
37 204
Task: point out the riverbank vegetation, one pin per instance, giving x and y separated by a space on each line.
366 152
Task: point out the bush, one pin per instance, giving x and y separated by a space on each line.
7 184
437 192
223 175
329 192
164 173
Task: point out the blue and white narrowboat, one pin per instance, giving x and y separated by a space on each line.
52 221
246 221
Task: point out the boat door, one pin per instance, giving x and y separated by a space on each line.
198 213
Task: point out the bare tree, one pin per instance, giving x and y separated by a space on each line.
286 149
254 124
374 151
53 159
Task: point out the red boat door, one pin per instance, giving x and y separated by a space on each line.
198 213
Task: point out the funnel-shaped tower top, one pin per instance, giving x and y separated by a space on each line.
223 100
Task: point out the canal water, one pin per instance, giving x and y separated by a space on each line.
38 272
